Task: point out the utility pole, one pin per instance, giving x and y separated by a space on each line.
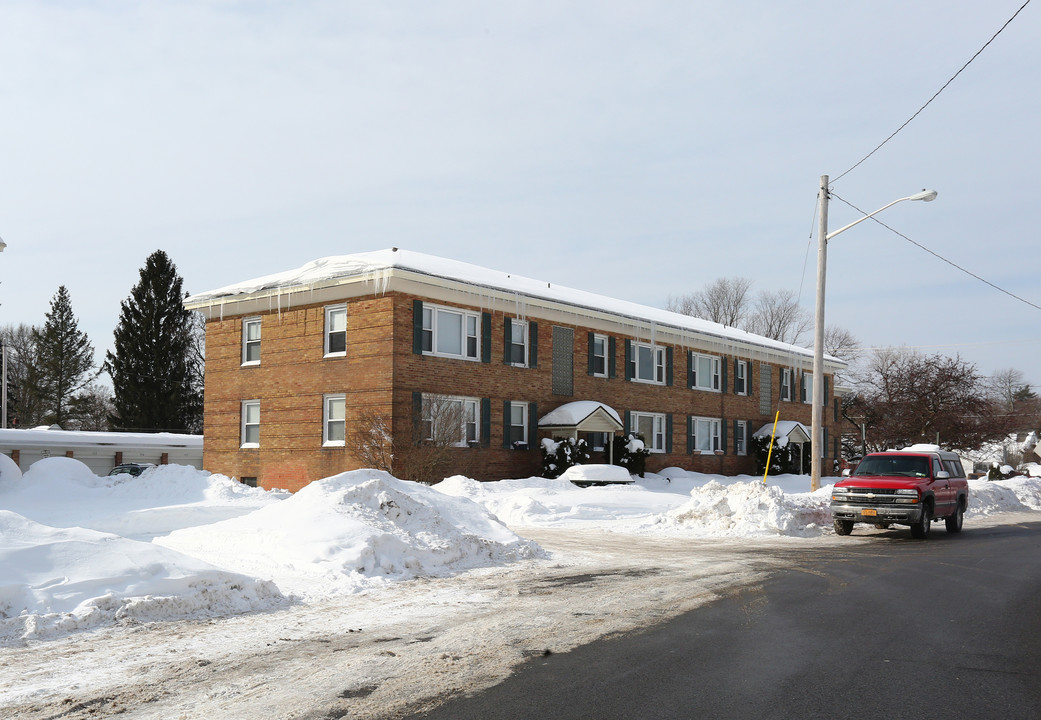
816 416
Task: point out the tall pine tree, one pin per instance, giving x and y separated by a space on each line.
156 373
65 359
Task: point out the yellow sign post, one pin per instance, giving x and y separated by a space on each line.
770 452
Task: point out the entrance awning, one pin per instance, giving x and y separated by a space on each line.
791 430
581 416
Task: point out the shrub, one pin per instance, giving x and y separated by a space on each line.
631 453
560 454
781 459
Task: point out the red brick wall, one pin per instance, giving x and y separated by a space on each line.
381 372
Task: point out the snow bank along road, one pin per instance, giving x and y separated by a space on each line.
382 654
398 651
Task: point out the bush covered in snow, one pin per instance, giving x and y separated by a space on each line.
631 452
558 455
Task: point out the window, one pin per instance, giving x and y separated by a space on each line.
251 423
518 348
787 384
652 427
648 363
807 387
741 377
334 421
336 331
705 434
251 341
518 424
450 333
705 372
740 435
450 420
598 355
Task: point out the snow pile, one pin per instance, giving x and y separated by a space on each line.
750 509
59 580
1017 494
352 531
63 492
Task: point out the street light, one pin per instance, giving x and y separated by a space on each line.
823 236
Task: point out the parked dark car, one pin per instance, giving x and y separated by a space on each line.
134 469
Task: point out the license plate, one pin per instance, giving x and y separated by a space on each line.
869 513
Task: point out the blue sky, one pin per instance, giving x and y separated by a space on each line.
638 150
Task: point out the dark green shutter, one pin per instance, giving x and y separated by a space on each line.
417 327
690 369
507 337
824 400
507 424
589 368
628 420
611 352
486 337
533 344
723 371
668 433
723 435
486 422
748 380
533 425
668 365
628 359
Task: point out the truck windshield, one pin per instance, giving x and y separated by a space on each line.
894 465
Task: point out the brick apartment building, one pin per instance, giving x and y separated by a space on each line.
294 360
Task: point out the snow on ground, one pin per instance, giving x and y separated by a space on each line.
78 551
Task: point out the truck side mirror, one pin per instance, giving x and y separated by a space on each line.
943 475
845 473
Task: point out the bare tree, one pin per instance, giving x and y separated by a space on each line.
1005 385
778 315
92 407
842 344
434 446
904 397
725 301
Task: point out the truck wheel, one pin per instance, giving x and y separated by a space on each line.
954 522
920 530
843 527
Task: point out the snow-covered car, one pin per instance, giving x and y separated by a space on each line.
593 474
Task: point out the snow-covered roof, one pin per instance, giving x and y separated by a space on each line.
379 268
573 414
45 437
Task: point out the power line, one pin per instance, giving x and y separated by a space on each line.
908 122
941 257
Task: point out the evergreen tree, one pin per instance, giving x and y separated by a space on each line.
156 373
65 359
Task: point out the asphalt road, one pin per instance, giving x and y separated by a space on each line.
949 627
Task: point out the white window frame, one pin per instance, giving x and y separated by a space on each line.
518 328
787 389
656 360
711 383
602 339
741 375
248 341
706 436
741 437
438 319
248 423
332 312
470 418
656 443
514 408
333 418
807 381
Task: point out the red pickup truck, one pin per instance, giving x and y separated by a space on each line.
915 487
